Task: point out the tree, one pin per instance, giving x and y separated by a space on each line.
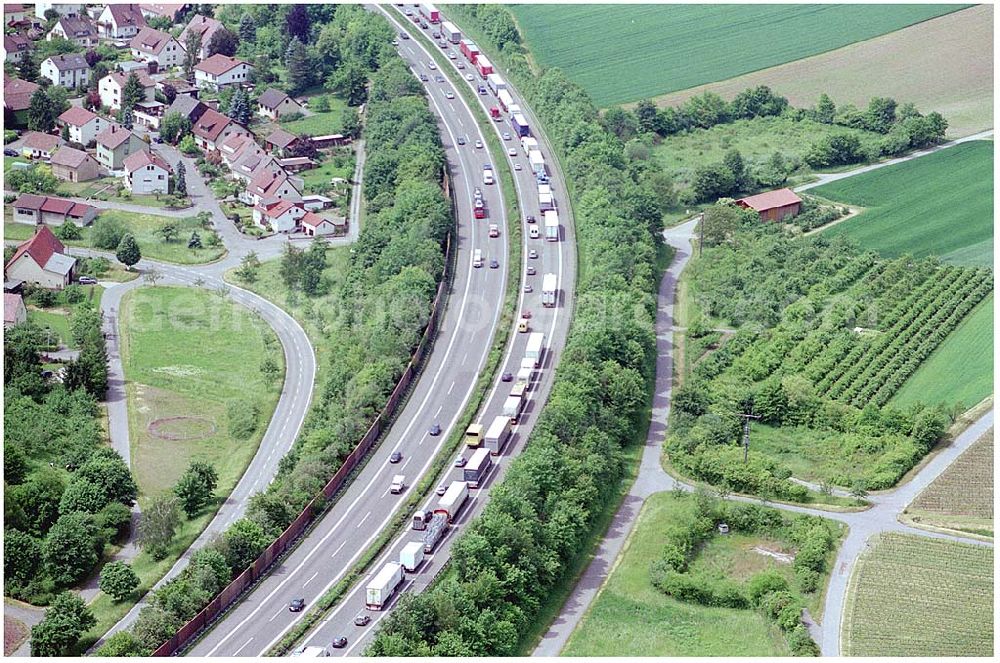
734 162
645 115
22 556
195 241
195 487
239 107
297 23
826 110
70 549
192 53
300 68
107 232
713 181
41 114
859 489
108 470
350 123
118 580
620 122
290 269
97 72
248 28
270 370
881 114
224 41
243 542
159 521
168 231
27 69
67 618
64 133
249 268
174 127
133 92
154 626
351 82
180 179
128 252
59 96
720 222
188 146
169 93
121 644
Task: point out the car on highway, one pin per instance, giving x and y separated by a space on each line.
530 219
461 140
434 430
531 270
533 233
479 144
477 192
469 78
424 77
395 42
437 35
87 280
482 89
362 619
424 25
296 605
517 166
452 56
441 490
395 457
408 11
528 287
494 230
403 35
506 136
532 254
526 314
339 643
460 461
449 95
507 377
511 152
432 66
494 264
439 78
460 65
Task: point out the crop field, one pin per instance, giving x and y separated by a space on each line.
914 596
961 370
937 64
962 497
628 52
940 204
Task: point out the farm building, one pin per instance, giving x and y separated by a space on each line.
73 165
33 209
776 205
330 140
42 260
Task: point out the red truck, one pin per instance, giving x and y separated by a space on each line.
469 50
484 65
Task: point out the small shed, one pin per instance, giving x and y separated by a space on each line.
776 205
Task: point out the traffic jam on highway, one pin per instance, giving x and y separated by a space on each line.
414 558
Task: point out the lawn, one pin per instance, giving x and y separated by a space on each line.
182 394
937 64
940 204
320 124
914 596
961 369
319 178
57 318
623 53
962 497
630 617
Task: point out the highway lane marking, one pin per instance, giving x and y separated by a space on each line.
408 459
311 578
363 520
280 610
441 406
451 387
244 645
339 548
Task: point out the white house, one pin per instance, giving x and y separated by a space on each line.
220 70
83 124
111 86
212 128
69 70
274 103
63 9
41 260
15 47
279 215
146 172
120 21
36 145
271 184
156 46
315 225
78 29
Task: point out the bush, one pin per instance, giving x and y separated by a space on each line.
107 233
242 415
118 580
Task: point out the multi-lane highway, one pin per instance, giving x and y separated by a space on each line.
438 397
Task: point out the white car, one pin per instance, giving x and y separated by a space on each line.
506 136
479 144
452 56
511 151
532 253
517 166
449 95
528 288
469 77
432 66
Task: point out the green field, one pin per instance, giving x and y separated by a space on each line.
913 596
627 52
630 617
940 204
961 370
320 124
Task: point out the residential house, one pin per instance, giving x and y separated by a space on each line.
78 29
114 144
15 13
181 87
274 103
68 70
36 145
14 312
315 202
776 205
149 114
83 124
146 172
42 260
171 11
219 71
213 128
111 86
16 99
315 225
15 47
72 165
271 184
156 46
120 21
188 107
280 216
205 26
29 208
63 9
281 142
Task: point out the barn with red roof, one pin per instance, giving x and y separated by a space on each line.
41 260
776 205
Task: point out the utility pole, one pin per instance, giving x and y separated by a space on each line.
746 434
701 234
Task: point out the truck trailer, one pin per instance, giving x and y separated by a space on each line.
525 375
520 125
546 202
450 32
411 555
484 66
497 435
537 162
430 12
433 531
496 83
478 467
383 585
512 408
536 341
469 50
451 502
551 225
549 290
505 100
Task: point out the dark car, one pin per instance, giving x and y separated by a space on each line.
435 430
460 461
461 140
9 152
296 605
395 457
362 619
157 140
424 77
531 218
439 78
507 377
494 264
87 280
339 643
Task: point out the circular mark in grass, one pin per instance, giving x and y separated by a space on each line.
181 428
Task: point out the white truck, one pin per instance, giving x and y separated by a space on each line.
450 32
512 408
412 555
497 435
525 375
487 174
546 202
537 162
544 189
528 363
506 101
311 652
398 484
496 83
551 225
529 143
536 342
383 585
452 500
550 294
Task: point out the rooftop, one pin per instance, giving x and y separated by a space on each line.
770 199
219 64
77 116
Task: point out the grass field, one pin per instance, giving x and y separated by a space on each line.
961 370
913 596
627 52
962 497
320 124
165 379
940 204
937 64
630 617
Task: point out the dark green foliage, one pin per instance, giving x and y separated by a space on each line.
195 487
223 41
22 557
242 415
68 230
32 180
118 580
65 621
173 128
122 643
154 626
71 547
159 521
41 112
242 543
107 232
128 252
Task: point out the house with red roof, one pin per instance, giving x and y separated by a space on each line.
41 260
156 46
205 27
14 312
213 128
72 165
84 125
219 71
78 29
146 173
272 184
120 21
34 209
15 47
278 215
315 225
69 70
36 145
114 144
172 11
776 205
111 86
16 99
